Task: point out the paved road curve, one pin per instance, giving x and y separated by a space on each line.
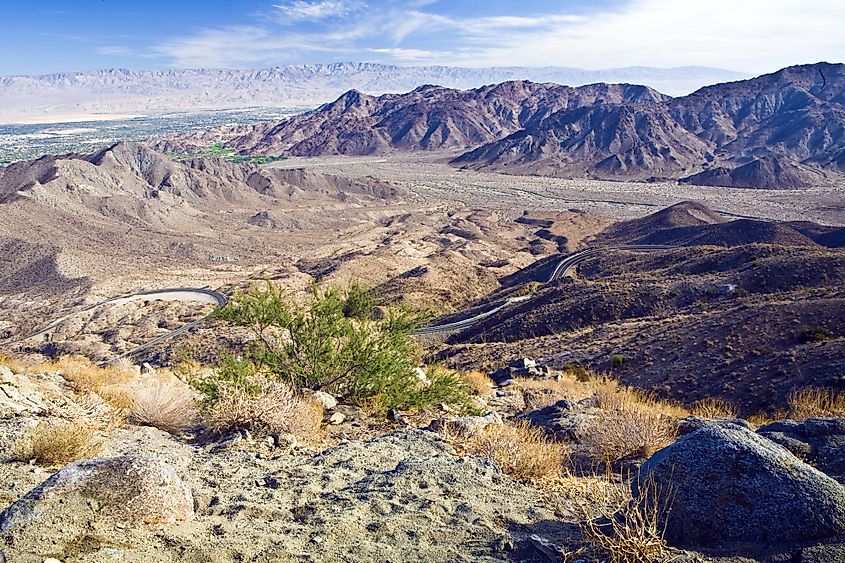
562 269
185 294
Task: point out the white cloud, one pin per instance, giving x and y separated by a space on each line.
752 35
299 10
113 50
746 35
409 54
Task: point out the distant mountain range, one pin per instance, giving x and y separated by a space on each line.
780 130
118 91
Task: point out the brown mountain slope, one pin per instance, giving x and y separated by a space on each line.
781 130
427 118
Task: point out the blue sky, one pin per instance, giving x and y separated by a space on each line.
747 35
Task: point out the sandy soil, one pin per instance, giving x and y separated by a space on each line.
435 182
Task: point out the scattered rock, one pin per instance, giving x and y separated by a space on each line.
325 399
732 488
819 441
337 418
520 367
692 423
563 420
127 491
465 425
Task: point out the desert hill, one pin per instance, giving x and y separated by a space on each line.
428 118
781 130
744 310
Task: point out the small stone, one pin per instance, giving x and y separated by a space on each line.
317 539
327 401
337 418
147 369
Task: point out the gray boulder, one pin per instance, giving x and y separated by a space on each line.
562 420
732 488
127 491
692 423
819 441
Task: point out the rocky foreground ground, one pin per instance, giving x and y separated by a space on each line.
417 487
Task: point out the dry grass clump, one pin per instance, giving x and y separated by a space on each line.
629 528
264 408
167 404
57 443
714 408
521 450
811 402
14 365
630 431
612 396
112 383
632 423
479 383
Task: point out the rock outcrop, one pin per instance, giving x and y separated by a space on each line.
100 494
819 441
732 488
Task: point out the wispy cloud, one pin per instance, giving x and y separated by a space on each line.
752 35
299 10
113 50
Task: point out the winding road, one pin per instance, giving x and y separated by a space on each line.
207 296
562 269
184 294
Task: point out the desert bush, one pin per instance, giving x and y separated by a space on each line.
56 443
810 402
714 408
112 383
331 341
522 451
478 383
630 527
631 430
263 407
166 404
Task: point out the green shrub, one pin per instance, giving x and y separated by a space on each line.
331 341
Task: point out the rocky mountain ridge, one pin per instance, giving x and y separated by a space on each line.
782 130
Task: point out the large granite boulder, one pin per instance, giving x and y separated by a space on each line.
127 491
732 488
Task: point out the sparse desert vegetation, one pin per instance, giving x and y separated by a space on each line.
521 451
810 402
165 403
57 443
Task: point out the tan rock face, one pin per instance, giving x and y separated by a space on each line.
127 491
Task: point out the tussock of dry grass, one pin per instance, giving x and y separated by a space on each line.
270 408
811 402
628 529
167 404
627 432
14 365
714 408
522 451
57 443
112 383
612 396
479 383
